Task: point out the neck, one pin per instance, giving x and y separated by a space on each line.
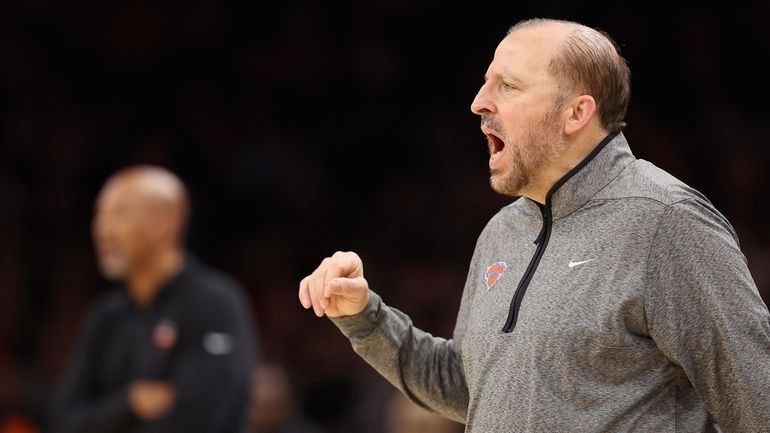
573 154
146 280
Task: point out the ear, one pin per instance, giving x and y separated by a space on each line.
158 227
168 228
579 112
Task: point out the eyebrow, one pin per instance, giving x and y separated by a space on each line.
503 77
486 76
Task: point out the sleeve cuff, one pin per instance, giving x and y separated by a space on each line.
363 323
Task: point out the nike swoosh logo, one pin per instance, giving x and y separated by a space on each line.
573 264
218 343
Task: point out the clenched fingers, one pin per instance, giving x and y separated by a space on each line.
317 289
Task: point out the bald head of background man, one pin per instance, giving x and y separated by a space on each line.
138 229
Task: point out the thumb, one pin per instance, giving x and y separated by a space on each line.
347 286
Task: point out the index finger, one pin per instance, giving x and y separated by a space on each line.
304 296
348 265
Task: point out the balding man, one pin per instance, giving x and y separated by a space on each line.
607 297
173 347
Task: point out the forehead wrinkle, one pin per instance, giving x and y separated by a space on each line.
531 50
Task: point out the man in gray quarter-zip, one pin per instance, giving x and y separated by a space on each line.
609 297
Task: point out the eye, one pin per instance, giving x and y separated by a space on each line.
508 86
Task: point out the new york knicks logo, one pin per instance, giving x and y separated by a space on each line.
494 272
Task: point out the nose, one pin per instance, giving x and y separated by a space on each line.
482 104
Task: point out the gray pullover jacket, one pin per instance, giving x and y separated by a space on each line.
624 304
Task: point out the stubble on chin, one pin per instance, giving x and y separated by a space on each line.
513 181
112 271
528 155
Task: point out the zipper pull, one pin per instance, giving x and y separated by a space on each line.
540 236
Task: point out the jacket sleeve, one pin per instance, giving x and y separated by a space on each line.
705 313
425 368
77 405
213 367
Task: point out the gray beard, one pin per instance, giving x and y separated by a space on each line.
539 145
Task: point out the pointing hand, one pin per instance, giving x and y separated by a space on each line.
337 287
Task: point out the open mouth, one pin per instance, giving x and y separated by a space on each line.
496 146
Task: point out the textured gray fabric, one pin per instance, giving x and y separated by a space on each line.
660 328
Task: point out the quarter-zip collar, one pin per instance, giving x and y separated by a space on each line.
567 195
573 190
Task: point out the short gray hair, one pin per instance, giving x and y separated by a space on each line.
590 63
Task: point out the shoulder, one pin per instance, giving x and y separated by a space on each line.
106 309
682 202
113 301
207 278
210 303
644 181
696 222
208 288
656 196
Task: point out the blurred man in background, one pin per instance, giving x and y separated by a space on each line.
172 348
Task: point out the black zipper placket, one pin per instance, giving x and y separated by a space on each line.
542 243
545 235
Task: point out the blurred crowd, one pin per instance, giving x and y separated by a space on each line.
305 128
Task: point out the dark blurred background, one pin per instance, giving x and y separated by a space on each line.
302 128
